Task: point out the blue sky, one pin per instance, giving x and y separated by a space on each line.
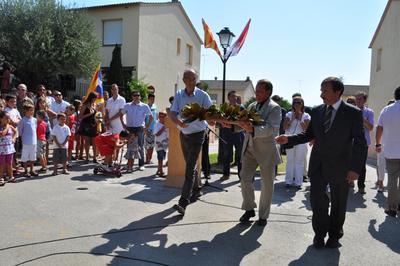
295 44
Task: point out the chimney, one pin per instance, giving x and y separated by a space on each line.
215 78
247 78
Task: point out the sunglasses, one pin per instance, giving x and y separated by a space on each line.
297 103
57 95
135 95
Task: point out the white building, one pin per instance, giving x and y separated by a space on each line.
158 42
385 59
244 88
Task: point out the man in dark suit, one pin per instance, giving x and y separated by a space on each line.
336 159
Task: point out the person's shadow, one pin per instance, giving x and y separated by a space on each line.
146 246
227 248
138 233
355 200
380 199
388 232
313 256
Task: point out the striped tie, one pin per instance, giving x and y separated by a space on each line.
327 118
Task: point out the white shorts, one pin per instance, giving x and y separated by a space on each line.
28 153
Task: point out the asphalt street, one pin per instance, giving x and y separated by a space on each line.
87 219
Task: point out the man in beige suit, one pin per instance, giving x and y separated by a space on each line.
259 149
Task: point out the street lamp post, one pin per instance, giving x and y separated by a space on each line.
225 39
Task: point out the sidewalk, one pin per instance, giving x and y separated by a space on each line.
83 219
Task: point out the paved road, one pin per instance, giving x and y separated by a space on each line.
82 219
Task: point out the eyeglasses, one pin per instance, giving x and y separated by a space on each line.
297 103
57 95
135 95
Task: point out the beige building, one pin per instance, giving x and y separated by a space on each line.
244 88
385 58
351 90
158 42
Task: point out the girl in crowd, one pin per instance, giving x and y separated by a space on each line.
41 105
71 123
78 138
296 121
88 128
8 136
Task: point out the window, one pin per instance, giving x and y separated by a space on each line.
178 46
112 32
379 60
189 54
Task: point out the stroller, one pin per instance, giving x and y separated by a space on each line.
115 170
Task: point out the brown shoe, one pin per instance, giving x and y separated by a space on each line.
224 177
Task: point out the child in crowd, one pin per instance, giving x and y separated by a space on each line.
15 118
71 122
61 134
133 151
41 139
8 136
161 139
11 109
41 105
78 147
2 104
27 130
107 143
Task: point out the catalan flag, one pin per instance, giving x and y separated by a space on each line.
209 41
96 86
235 48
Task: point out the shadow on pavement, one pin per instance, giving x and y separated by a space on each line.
388 232
355 200
380 199
150 246
313 256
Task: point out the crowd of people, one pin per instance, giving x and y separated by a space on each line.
338 132
43 127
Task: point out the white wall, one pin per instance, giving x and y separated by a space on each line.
158 62
384 81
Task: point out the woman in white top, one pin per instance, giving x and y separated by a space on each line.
296 121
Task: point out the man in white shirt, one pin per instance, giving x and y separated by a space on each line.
389 130
114 108
58 106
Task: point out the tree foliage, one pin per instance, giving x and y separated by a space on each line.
43 38
137 85
115 74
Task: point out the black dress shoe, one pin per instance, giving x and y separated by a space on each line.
332 243
246 216
262 222
391 213
318 242
179 208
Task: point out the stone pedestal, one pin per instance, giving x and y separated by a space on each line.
176 162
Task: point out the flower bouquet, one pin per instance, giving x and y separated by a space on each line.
225 113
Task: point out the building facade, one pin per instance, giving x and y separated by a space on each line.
385 58
158 42
244 88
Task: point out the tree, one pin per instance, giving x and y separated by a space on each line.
115 73
137 85
43 39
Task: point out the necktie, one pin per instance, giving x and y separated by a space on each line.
327 118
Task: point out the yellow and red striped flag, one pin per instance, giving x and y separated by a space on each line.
209 41
96 85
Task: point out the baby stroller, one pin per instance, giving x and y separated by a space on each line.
115 170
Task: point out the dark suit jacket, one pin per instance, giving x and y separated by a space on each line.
340 149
